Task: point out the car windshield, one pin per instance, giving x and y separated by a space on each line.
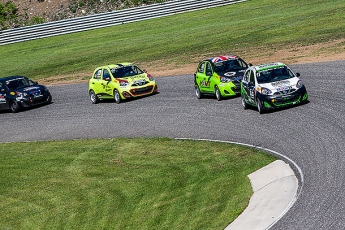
18 83
229 65
272 75
126 71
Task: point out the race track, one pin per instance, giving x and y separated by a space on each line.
312 135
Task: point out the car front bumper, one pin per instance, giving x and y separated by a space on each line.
277 101
230 89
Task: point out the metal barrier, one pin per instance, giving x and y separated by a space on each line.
107 19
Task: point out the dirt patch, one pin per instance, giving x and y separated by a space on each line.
328 51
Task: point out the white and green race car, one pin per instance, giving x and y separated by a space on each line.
271 85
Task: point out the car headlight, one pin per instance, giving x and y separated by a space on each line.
20 95
150 77
299 84
123 83
265 91
225 79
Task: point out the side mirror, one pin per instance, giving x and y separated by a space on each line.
298 74
209 74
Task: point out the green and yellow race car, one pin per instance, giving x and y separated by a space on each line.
220 76
120 81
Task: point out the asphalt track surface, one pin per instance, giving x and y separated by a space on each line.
312 135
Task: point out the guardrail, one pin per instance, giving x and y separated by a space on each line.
107 19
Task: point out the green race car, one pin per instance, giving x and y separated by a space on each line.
220 76
120 81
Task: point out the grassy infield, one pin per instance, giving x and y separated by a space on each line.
157 183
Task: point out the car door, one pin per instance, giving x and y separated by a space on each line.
105 82
95 82
248 84
3 100
205 78
199 78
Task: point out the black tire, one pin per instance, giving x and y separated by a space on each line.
49 99
197 92
259 105
14 106
217 92
244 104
93 97
117 96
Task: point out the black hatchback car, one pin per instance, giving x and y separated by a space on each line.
18 92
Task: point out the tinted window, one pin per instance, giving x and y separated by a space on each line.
230 65
272 75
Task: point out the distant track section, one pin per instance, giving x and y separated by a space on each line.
107 19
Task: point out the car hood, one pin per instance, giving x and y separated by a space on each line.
280 85
135 78
233 75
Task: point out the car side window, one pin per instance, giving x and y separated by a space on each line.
98 74
106 75
246 76
201 67
252 77
208 69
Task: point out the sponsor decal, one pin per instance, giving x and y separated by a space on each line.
139 82
230 74
280 84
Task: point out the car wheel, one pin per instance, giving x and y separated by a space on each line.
259 105
49 99
218 95
93 97
197 92
117 96
244 104
14 106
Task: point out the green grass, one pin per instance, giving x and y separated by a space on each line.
155 183
249 29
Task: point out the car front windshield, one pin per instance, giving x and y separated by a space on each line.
19 83
229 65
272 75
126 71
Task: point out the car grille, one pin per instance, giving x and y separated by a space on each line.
285 100
291 90
141 91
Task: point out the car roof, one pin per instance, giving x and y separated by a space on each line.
10 78
118 65
222 58
267 66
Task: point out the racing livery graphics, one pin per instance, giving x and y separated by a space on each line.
272 85
119 82
18 92
220 76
